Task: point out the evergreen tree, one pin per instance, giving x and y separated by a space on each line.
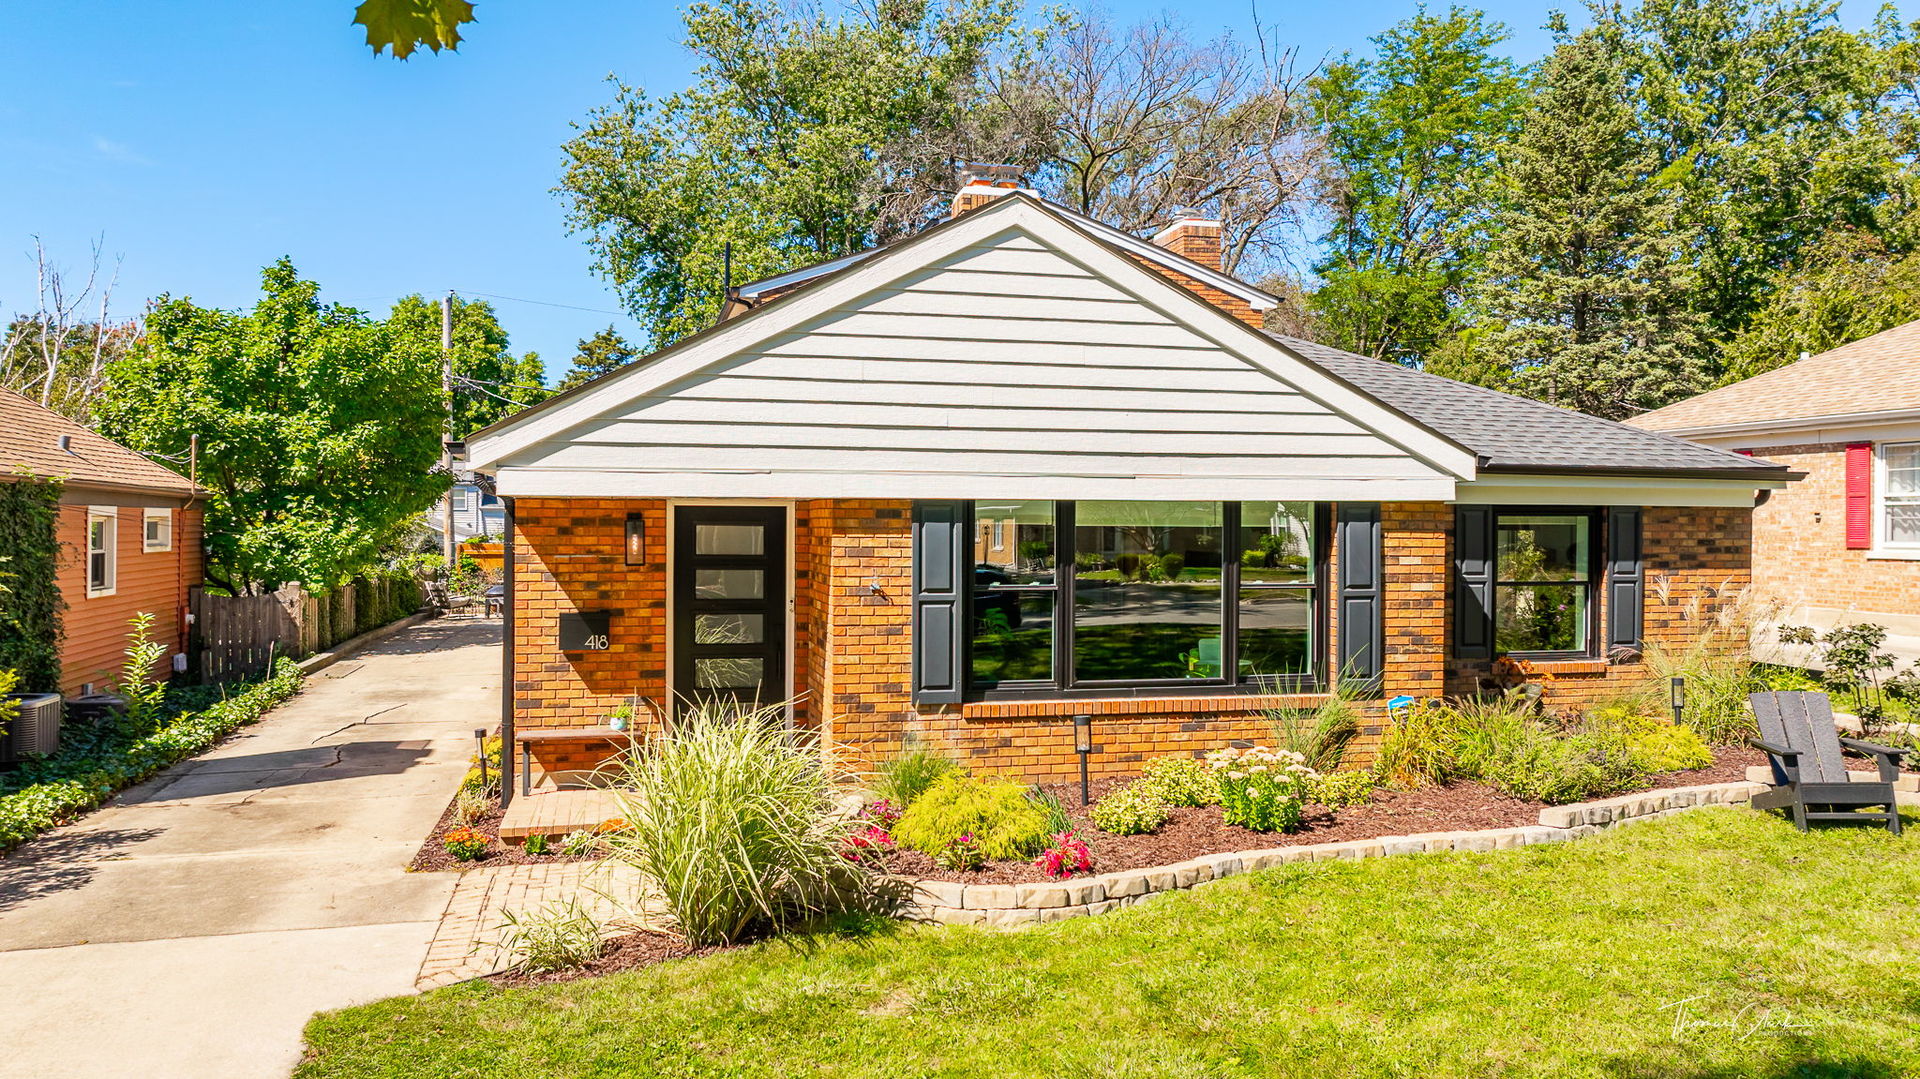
603 352
1584 295
1411 132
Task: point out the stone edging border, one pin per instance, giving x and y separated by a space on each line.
955 903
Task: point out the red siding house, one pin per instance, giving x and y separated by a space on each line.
129 532
1023 467
1844 544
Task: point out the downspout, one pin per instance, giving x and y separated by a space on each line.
507 696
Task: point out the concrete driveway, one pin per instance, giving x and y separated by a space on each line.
192 927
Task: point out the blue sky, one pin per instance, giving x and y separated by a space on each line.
204 139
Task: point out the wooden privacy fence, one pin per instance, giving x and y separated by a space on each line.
239 636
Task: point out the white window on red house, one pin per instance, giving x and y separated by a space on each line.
1900 494
103 531
157 534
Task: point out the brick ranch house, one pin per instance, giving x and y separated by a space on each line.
1022 467
129 534
1844 544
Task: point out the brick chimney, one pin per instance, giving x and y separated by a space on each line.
1197 238
980 184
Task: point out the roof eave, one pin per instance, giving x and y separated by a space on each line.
1768 472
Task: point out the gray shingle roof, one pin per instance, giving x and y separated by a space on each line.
1516 434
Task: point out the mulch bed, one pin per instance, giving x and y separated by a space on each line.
627 952
432 857
1188 834
1191 832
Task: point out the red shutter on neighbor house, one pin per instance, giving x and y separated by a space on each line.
1859 495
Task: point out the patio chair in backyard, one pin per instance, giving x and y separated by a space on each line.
1809 774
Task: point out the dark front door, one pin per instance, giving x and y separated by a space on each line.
730 603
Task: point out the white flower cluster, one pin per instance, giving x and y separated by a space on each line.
1277 764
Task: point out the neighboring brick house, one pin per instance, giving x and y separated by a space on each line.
1843 545
1022 467
129 532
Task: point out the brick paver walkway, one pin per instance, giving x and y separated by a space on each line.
466 945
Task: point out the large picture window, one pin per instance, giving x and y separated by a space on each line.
1100 596
1543 582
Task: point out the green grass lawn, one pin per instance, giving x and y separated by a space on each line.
1716 943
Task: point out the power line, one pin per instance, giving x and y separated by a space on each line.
540 303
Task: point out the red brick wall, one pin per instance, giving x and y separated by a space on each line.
1696 560
569 554
1800 554
853 594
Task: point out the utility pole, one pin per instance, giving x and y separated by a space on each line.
446 448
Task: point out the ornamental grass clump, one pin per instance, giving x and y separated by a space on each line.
732 817
910 774
1131 810
1181 781
1003 821
1262 789
563 936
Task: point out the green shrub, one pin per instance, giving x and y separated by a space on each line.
908 775
537 844
30 630
1180 781
1342 790
1133 809
962 852
996 812
1556 770
1668 748
562 936
732 816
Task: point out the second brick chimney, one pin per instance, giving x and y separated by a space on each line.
1197 238
981 184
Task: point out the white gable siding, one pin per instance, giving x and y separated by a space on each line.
1004 369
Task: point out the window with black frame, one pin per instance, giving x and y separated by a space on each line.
1543 583
1159 594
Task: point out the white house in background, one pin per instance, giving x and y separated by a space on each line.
476 512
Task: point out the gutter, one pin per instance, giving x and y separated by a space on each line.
1798 423
1769 472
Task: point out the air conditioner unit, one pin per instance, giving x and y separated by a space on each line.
35 730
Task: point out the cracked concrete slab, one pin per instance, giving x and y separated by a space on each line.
257 883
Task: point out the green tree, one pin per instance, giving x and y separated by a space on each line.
1584 293
318 427
802 138
603 352
1776 124
1848 286
1411 132
490 382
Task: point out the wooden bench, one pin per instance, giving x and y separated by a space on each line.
527 739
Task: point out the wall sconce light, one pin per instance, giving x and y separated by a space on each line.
636 539
1679 697
1083 745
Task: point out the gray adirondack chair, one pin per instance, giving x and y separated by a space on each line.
1810 776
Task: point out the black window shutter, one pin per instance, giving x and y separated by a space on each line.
1473 570
939 600
1361 601
1626 579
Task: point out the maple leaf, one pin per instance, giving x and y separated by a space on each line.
405 25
